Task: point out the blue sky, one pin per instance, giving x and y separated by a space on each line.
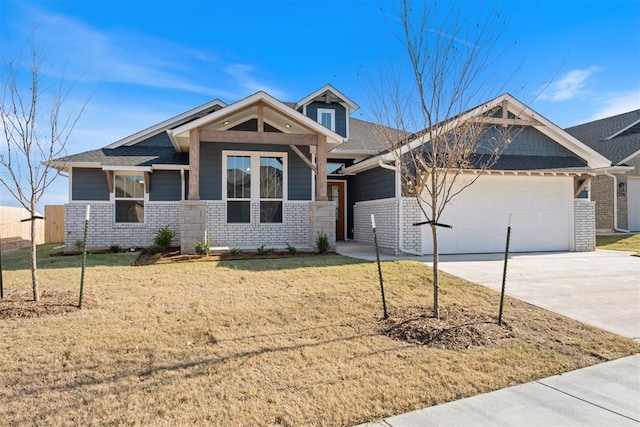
141 62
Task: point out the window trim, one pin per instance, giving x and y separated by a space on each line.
331 112
255 179
144 199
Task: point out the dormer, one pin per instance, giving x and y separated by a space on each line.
330 108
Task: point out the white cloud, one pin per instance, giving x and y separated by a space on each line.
243 74
569 86
617 103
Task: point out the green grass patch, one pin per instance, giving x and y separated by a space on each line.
623 242
49 258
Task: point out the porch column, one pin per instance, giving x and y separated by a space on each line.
321 174
194 164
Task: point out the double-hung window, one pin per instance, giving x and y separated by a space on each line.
255 177
327 118
129 198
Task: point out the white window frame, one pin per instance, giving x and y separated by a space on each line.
331 112
144 199
255 177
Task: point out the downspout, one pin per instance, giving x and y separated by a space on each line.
398 198
615 203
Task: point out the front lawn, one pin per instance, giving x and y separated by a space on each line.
620 242
288 342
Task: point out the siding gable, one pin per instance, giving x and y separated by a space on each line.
340 114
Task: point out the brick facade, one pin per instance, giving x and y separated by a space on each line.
386 215
584 225
190 218
103 232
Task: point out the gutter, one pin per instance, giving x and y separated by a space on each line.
398 198
615 202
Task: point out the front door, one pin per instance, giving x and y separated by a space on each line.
335 193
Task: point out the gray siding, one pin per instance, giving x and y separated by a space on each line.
89 184
377 183
299 174
530 142
165 186
341 114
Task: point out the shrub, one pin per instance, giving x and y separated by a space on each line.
203 247
291 249
153 249
78 245
235 251
115 249
263 251
322 243
164 238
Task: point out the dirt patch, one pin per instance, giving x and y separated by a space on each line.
174 255
457 328
52 303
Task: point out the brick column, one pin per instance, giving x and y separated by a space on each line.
322 219
584 225
193 223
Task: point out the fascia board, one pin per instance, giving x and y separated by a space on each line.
350 105
127 168
182 131
631 157
162 126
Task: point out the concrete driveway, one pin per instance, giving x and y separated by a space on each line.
600 288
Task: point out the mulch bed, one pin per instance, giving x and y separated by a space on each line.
174 255
458 328
52 303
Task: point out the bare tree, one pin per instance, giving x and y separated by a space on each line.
445 146
35 132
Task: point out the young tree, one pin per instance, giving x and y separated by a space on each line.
35 131
429 105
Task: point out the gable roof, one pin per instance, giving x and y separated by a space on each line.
593 159
328 92
277 114
156 129
616 137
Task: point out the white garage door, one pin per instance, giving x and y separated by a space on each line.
633 203
541 208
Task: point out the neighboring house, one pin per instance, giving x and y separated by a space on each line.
615 190
263 172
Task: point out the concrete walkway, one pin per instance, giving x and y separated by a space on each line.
600 288
602 395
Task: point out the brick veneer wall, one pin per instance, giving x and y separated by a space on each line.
584 225
104 232
412 235
294 230
386 214
602 194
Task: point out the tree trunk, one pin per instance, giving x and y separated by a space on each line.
34 266
436 280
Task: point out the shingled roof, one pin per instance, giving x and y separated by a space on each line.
616 137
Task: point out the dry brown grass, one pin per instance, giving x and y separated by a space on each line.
263 342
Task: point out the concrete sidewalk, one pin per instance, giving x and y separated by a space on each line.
602 395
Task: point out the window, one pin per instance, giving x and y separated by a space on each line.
238 189
255 177
271 189
327 118
129 198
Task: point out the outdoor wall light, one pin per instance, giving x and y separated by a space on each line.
622 189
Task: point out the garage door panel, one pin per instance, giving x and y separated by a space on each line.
541 209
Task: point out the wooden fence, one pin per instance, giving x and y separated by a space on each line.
54 224
15 233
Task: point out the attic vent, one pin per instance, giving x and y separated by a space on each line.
632 130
